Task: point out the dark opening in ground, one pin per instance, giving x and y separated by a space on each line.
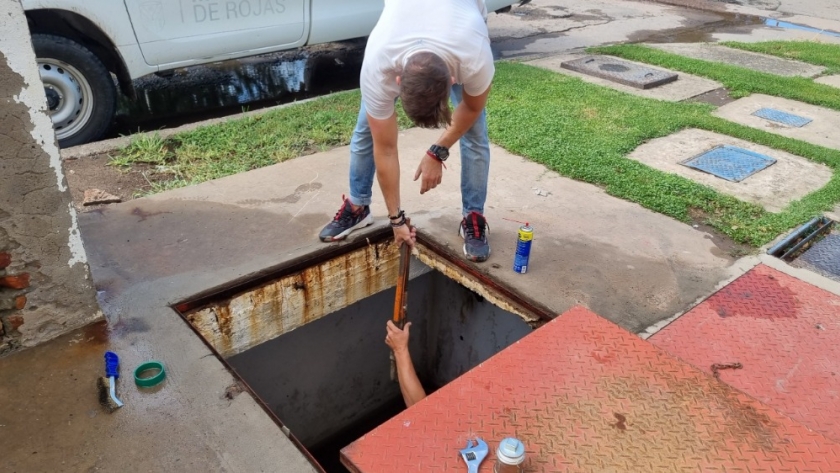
329 381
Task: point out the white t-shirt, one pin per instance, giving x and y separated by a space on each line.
455 30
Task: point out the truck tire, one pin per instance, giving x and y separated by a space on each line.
81 95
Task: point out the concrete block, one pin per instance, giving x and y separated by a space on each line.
833 81
745 59
685 87
790 178
821 131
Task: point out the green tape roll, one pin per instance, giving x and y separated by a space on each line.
149 381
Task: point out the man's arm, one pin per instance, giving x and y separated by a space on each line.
410 386
386 158
464 117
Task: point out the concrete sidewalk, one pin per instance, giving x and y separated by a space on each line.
147 254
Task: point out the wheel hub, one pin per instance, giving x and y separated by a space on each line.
53 98
69 96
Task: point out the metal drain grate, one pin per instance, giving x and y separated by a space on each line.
823 257
623 72
730 162
784 118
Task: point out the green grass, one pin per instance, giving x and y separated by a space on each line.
248 143
740 81
583 131
820 54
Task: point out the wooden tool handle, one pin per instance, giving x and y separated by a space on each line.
401 299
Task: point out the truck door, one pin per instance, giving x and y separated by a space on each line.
184 32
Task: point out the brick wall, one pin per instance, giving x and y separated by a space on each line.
13 289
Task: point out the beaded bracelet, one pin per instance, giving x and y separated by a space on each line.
401 222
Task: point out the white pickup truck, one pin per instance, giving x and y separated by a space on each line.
81 45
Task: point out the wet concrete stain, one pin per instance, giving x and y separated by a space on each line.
732 23
289 199
129 325
621 423
756 295
221 89
144 214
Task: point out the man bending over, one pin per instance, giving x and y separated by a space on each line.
423 52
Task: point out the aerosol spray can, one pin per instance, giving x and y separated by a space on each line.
523 248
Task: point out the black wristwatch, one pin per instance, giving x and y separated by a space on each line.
439 152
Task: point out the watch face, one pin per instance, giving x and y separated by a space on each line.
441 152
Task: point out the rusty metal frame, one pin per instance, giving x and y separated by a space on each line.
544 313
248 282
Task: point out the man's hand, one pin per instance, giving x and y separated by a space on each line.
432 171
405 234
397 339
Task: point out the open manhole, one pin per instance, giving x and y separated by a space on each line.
308 340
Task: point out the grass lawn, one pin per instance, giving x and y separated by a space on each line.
248 143
820 54
581 130
740 81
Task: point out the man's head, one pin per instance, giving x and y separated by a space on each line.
424 90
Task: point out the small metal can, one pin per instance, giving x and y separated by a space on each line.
509 456
523 249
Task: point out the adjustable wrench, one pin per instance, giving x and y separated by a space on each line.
473 455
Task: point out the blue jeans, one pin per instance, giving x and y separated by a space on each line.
475 161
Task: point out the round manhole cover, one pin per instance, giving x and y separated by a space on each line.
611 67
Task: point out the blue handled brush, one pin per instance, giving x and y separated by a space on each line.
108 384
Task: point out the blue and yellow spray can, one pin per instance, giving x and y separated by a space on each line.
523 248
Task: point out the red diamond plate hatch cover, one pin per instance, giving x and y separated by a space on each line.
785 334
586 396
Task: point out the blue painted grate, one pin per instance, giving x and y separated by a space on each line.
730 162
784 118
824 257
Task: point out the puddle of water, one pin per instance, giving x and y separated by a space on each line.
729 23
793 26
226 88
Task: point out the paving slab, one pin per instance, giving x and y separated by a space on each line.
832 80
583 395
685 87
821 131
785 334
750 60
789 179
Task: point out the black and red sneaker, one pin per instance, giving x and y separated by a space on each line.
345 221
474 230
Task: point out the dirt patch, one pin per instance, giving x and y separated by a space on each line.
95 173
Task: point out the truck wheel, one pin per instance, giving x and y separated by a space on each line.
81 95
